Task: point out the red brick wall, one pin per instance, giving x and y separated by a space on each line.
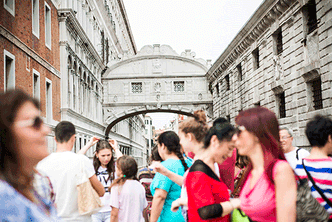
21 27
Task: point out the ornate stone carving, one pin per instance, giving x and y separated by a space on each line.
157 87
156 65
278 70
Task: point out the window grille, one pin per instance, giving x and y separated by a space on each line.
136 87
317 93
282 105
178 86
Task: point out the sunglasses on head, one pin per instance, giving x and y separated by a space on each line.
240 129
34 123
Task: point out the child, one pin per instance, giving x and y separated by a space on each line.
128 200
103 163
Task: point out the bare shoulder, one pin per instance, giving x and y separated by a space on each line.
283 169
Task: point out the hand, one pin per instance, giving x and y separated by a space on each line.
175 205
235 202
94 140
159 168
113 143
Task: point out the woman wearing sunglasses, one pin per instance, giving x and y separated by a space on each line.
269 188
22 146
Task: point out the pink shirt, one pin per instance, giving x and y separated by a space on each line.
259 203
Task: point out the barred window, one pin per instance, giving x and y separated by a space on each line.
255 55
136 87
178 86
277 39
282 105
227 82
317 93
239 70
310 16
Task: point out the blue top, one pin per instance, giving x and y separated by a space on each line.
15 207
173 190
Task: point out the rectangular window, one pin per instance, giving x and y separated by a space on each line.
136 87
35 17
310 16
257 104
227 82
277 41
317 94
36 84
9 5
239 71
48 100
255 56
281 104
178 86
9 70
217 89
48 26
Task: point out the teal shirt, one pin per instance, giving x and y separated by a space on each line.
173 190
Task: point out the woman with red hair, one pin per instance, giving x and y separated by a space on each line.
269 189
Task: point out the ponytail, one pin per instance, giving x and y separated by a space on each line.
128 167
172 142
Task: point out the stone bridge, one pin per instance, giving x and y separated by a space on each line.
157 79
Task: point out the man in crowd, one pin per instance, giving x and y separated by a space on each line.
62 167
292 154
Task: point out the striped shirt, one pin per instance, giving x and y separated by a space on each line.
321 172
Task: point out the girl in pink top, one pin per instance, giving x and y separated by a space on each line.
269 191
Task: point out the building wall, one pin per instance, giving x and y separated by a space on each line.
31 54
305 57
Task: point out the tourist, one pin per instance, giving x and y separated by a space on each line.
269 190
164 190
22 146
318 163
62 167
208 196
128 200
104 167
292 154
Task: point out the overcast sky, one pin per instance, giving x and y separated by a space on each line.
204 26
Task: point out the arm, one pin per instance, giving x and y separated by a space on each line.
179 203
114 144
114 214
157 204
145 214
91 143
159 168
99 188
285 187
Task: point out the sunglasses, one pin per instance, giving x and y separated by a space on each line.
34 123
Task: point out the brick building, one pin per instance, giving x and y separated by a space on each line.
281 59
29 51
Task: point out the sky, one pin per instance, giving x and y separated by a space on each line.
204 26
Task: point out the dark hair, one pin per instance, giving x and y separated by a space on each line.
195 125
222 129
128 166
10 102
104 144
264 124
172 142
241 161
64 131
155 154
318 130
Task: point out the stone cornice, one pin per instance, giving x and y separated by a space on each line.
166 103
77 30
125 19
81 117
21 45
265 16
153 76
149 57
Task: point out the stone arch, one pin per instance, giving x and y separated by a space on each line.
80 73
84 76
88 81
116 118
75 66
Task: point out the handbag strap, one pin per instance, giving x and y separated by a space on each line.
316 187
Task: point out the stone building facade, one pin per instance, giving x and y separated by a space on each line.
92 34
29 38
281 59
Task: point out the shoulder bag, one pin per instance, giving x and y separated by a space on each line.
88 200
307 207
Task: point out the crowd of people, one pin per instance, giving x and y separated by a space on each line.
203 173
